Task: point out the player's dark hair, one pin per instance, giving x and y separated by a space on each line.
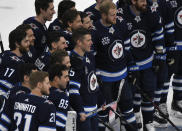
24 27
36 77
64 6
58 57
79 34
16 36
56 70
25 69
69 16
41 4
83 15
53 36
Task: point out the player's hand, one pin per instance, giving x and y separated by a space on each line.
82 117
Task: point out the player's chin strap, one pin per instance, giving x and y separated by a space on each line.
155 106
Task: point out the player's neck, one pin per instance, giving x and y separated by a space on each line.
103 22
97 7
17 52
36 92
26 84
134 10
54 84
40 19
79 51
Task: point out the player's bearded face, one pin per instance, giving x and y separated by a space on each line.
141 5
111 17
24 46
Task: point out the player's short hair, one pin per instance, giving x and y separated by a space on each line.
83 15
53 36
24 27
41 4
56 70
106 6
79 34
64 6
36 77
16 36
69 16
58 56
25 69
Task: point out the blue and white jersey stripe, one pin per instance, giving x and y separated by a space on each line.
112 76
44 128
145 64
88 109
74 83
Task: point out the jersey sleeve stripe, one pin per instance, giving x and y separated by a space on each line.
5 118
61 115
44 128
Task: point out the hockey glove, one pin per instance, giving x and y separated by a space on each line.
172 54
158 62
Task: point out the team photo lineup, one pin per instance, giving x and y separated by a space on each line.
88 69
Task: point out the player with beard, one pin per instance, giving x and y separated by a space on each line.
59 77
31 112
146 35
10 59
71 21
44 12
113 61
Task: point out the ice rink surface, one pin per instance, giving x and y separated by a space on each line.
13 12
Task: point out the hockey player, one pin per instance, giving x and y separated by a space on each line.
59 77
44 12
112 60
175 67
10 59
57 24
146 35
30 111
60 57
93 10
55 42
164 10
83 86
86 21
71 21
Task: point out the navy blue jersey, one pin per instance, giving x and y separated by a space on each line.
61 101
83 86
177 13
9 63
40 33
28 112
146 35
93 13
68 36
111 57
42 62
164 10
56 25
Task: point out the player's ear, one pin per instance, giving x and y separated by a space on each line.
39 85
26 78
54 45
69 24
56 78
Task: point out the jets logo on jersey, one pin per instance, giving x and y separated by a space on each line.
154 7
33 26
137 39
116 50
111 30
15 58
105 40
178 17
120 18
120 11
56 28
92 80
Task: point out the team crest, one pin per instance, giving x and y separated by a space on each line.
178 17
15 58
120 18
111 30
174 4
116 50
120 11
138 39
154 7
137 19
33 26
93 84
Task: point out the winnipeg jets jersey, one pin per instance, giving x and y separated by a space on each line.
61 101
83 91
28 113
56 25
177 13
164 10
40 33
93 13
111 57
9 63
42 62
146 35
